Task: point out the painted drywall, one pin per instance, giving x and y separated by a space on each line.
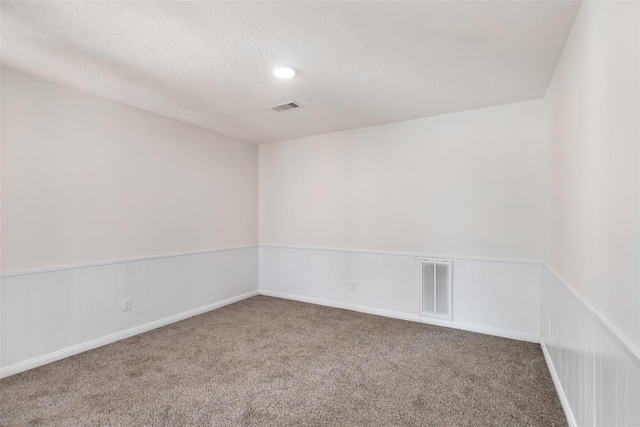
465 184
88 180
593 213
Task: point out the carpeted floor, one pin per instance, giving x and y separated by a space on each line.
267 361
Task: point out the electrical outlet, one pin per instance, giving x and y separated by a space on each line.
126 304
352 285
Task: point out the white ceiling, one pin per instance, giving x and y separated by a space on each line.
359 63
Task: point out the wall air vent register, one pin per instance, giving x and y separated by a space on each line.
435 288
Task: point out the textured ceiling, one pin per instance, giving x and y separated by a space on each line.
359 63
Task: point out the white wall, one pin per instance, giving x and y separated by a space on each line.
86 180
596 374
465 184
88 185
54 314
497 298
591 275
593 219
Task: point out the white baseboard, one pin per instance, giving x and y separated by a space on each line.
89 345
520 336
556 382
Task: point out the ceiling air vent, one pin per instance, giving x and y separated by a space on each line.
291 105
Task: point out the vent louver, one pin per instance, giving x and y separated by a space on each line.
291 105
435 288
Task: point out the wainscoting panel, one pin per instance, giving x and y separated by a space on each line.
596 373
50 315
495 297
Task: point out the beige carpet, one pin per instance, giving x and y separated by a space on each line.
266 361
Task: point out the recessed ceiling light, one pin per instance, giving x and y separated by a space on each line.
284 71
